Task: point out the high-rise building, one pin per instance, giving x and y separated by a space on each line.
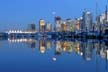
70 25
41 25
58 22
102 22
31 27
48 27
78 25
87 21
97 24
63 27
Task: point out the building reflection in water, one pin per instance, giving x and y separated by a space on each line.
58 47
83 48
42 46
30 42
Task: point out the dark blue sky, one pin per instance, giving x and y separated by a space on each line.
22 12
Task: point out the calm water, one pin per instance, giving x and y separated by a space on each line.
29 55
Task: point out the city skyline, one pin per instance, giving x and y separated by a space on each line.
84 23
19 13
53 35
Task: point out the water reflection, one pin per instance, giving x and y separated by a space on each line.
46 55
84 48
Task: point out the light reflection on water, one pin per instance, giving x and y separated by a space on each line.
53 55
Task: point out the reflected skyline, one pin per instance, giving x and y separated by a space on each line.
84 48
55 51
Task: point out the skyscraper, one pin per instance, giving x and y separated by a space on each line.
87 21
41 25
58 22
48 27
78 25
103 20
70 25
63 27
98 23
31 27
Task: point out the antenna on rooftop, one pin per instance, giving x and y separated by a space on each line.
106 14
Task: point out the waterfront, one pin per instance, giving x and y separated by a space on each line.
53 35
48 55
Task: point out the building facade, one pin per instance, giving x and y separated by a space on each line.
48 27
41 25
70 25
87 24
58 23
